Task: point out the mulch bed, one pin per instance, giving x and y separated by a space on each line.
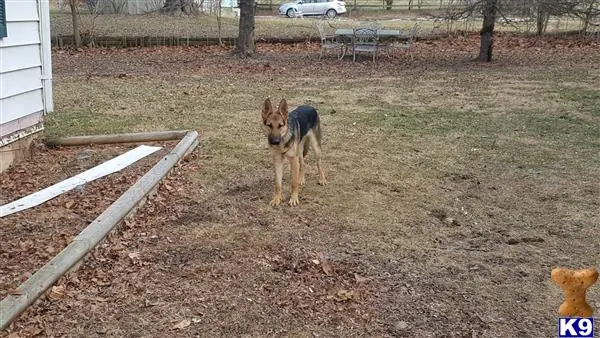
33 236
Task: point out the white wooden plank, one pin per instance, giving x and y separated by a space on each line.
21 10
20 81
20 105
21 33
19 57
106 168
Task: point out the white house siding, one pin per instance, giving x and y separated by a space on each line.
22 99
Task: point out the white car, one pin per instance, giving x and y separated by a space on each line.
330 8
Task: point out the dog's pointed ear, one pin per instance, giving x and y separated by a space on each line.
283 108
267 108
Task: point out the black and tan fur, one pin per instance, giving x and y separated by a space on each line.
290 137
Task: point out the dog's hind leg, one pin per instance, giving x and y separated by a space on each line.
302 170
306 146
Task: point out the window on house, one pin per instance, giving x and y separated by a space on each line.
2 18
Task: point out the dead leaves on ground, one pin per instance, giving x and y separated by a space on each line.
320 277
280 58
360 279
135 258
185 323
57 293
27 332
182 324
345 295
324 263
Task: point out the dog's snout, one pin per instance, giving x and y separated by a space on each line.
274 140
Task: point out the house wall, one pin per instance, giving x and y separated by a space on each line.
228 7
25 71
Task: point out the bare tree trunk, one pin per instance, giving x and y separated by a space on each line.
586 22
541 20
75 16
389 4
188 6
588 16
245 42
487 31
219 24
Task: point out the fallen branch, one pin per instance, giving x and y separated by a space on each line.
116 138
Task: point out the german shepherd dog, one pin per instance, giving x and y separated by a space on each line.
290 136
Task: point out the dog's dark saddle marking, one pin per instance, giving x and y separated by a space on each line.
306 117
300 121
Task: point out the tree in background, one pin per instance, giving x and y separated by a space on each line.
219 22
388 4
74 5
588 11
244 45
467 9
486 44
538 11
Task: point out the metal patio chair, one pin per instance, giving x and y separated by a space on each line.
365 40
330 41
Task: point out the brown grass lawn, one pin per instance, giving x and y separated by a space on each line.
454 188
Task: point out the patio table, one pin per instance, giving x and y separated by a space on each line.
382 33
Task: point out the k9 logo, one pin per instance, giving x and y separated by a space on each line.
575 327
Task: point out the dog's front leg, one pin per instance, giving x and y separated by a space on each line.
278 162
295 167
